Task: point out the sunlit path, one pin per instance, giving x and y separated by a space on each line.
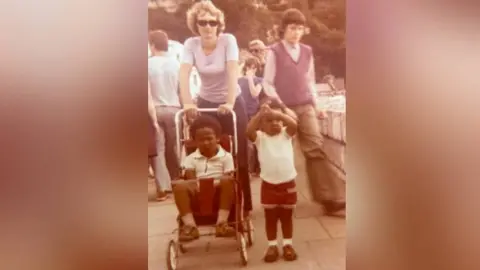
319 240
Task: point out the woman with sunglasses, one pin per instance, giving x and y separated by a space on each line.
215 55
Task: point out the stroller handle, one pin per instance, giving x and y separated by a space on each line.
178 128
179 181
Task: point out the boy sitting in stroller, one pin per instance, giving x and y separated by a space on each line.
210 160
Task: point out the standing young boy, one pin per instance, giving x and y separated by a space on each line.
271 129
290 77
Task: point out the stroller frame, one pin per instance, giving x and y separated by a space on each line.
243 226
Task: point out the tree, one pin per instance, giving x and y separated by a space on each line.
256 19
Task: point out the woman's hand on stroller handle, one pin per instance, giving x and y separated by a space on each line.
225 108
190 111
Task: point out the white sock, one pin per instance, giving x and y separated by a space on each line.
189 220
272 243
222 216
287 242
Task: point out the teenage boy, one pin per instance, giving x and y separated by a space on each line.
289 76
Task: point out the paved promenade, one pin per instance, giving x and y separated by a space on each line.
319 241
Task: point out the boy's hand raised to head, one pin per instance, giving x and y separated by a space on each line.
291 113
277 113
254 123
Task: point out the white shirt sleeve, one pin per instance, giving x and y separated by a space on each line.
187 55
269 75
228 164
189 162
232 51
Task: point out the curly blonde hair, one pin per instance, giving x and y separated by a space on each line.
204 6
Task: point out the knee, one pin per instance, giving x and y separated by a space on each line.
315 153
312 150
179 189
226 184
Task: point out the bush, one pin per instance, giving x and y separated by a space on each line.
326 20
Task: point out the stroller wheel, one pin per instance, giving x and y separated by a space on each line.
172 255
243 249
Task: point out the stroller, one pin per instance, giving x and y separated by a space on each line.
206 204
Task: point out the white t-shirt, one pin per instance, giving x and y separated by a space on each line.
213 167
212 68
275 154
163 78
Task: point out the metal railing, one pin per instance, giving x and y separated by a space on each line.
334 127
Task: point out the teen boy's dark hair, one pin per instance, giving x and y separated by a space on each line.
291 16
205 121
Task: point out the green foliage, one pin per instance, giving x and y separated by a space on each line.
325 18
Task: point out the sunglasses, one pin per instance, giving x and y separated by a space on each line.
204 23
257 50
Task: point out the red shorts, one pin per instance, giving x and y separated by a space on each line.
284 194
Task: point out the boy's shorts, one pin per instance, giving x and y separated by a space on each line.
280 195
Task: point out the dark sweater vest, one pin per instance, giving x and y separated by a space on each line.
291 82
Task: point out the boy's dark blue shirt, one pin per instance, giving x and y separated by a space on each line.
251 102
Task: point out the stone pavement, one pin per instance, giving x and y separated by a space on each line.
320 241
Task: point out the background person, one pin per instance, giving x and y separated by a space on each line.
251 86
163 69
258 49
330 81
